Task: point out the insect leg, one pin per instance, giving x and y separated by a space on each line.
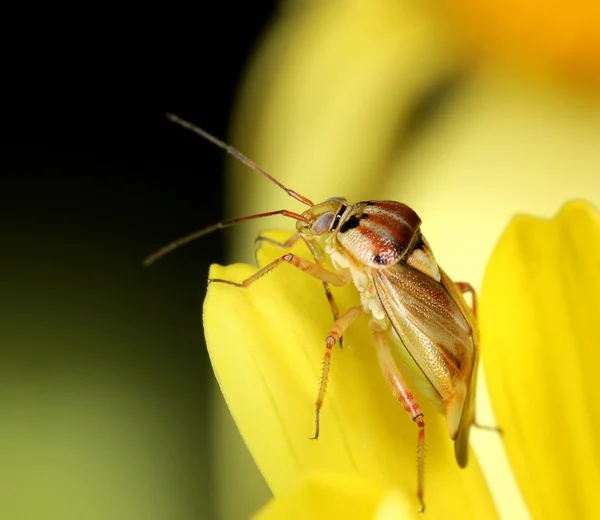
401 391
319 256
304 265
334 308
487 427
283 245
339 327
287 245
466 287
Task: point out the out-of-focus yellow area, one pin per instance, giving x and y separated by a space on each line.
80 445
98 419
557 39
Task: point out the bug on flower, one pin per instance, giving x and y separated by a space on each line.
417 313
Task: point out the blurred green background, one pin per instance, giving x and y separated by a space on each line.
104 378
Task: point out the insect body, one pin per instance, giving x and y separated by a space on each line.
415 308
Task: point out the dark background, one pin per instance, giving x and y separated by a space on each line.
92 179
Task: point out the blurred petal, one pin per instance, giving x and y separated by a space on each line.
329 94
540 310
266 345
540 36
502 147
323 496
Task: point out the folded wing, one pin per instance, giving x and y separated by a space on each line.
437 332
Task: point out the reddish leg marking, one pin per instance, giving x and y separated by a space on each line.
401 391
466 287
304 265
336 332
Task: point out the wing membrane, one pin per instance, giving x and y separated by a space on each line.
435 331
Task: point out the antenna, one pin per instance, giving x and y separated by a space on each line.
176 244
237 154
229 222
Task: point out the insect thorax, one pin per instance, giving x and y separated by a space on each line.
370 237
361 278
377 234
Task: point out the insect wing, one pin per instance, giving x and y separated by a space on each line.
461 444
432 326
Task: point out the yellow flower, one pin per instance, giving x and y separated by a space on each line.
539 310
394 99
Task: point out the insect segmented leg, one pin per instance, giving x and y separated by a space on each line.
287 245
401 391
283 245
260 240
339 327
487 427
466 287
334 308
304 265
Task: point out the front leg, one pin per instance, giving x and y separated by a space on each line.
307 266
465 287
318 255
282 245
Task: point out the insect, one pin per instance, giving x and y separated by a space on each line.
415 308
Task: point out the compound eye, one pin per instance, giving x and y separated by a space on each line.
338 199
323 223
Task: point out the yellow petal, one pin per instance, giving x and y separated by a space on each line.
323 496
540 310
266 344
